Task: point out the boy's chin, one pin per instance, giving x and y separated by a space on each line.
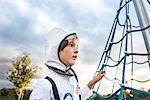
72 64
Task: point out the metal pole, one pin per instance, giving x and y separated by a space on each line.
143 21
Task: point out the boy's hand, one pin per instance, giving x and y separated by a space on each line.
96 78
99 76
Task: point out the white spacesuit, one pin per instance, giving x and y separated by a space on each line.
65 80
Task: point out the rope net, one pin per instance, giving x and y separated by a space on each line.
125 59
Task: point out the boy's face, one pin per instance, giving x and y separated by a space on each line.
70 53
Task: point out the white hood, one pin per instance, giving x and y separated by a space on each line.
54 37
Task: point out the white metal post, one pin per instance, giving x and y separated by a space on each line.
143 21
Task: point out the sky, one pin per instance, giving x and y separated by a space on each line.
24 24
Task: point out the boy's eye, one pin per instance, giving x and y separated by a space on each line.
71 44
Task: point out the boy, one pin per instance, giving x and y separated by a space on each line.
63 49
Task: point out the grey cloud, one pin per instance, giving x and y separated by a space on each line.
3 72
4 60
19 29
76 19
6 84
64 14
112 4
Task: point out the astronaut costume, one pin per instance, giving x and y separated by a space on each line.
64 78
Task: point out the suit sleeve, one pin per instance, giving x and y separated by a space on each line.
85 93
42 91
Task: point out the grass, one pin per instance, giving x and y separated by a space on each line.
9 94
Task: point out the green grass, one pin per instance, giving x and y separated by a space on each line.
8 97
9 94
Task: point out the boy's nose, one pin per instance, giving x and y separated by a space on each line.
76 50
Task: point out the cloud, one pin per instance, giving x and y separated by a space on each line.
6 84
4 69
4 60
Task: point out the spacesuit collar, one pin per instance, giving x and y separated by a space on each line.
60 69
